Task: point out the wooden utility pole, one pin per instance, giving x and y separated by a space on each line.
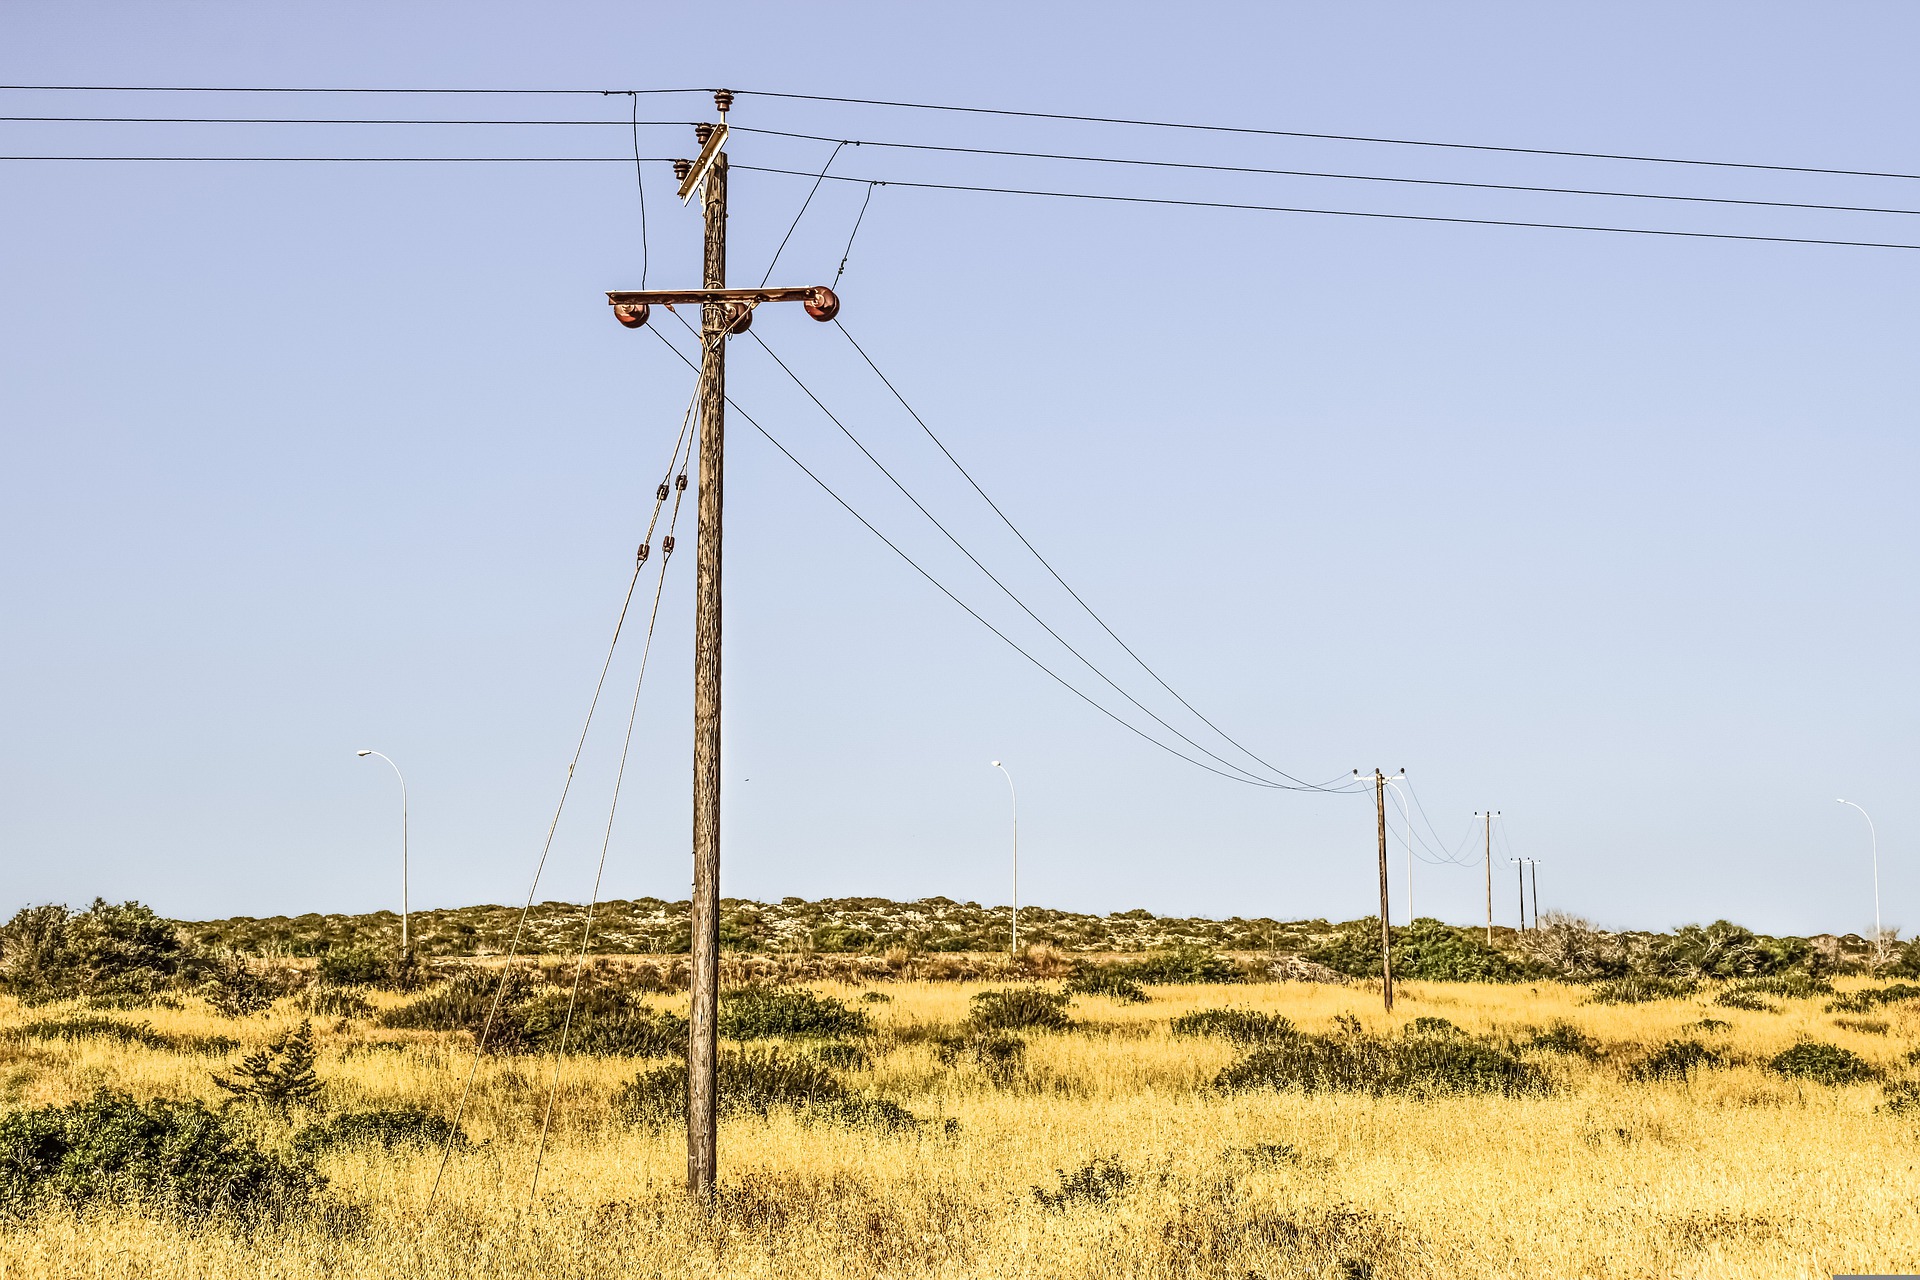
703 913
1488 815
1380 781
723 311
1535 864
1520 869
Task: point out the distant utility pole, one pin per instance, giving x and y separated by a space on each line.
1534 863
723 311
1489 815
1380 781
1520 870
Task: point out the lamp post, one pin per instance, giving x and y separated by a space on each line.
1879 938
1013 948
404 941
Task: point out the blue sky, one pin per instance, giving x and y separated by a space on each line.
1612 533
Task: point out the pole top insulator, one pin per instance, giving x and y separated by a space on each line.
723 100
681 168
701 132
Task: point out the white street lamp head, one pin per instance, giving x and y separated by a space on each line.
994 763
364 753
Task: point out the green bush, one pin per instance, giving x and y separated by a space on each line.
1439 1028
1020 1009
1350 1063
1902 1097
94 1026
233 989
1105 980
337 1002
353 967
999 1054
169 1158
843 1057
1867 999
280 1075
112 952
388 1127
1236 1026
1743 998
1427 950
842 938
463 1004
1177 965
1822 1064
1095 1184
1675 1060
1726 950
1565 1038
1643 988
759 1081
763 1013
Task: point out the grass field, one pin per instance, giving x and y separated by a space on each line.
1105 1151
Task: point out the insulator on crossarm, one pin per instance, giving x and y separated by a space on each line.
681 481
662 494
666 545
645 551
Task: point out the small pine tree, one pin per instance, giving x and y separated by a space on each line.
280 1075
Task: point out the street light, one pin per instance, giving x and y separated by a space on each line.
404 949
1014 948
1879 944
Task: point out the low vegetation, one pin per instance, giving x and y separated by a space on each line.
180 1105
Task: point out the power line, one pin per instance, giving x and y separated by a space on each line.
1319 173
1004 589
364 159
203 88
971 612
1343 213
1328 137
1048 566
1071 157
1188 126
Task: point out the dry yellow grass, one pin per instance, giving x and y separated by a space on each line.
1737 1173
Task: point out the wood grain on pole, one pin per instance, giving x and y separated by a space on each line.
1386 933
704 913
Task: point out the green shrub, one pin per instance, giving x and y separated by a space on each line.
1095 1184
1427 950
1643 988
169 1158
1564 1037
763 1013
1439 1028
1708 1025
387 1127
353 967
1236 1026
875 997
337 1002
1822 1064
119 952
1176 965
93 1026
999 1054
1020 1009
843 1057
756 1082
1867 999
841 938
463 1004
1349 1063
1865 1026
234 990
1791 984
1675 1060
1105 980
280 1075
1742 998
1902 1097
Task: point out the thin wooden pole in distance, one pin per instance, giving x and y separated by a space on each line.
1386 932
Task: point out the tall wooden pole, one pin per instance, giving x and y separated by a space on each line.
1521 885
1536 891
704 908
1489 877
1386 933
